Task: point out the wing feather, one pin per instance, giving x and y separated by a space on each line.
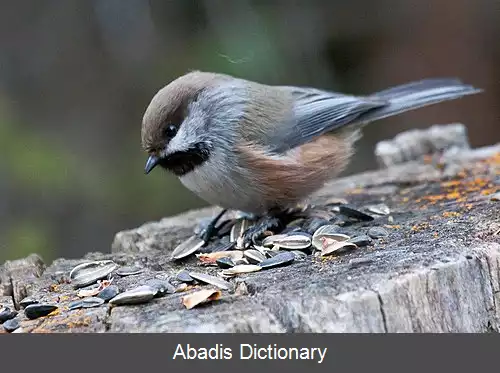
317 112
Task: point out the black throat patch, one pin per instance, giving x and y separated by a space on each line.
182 162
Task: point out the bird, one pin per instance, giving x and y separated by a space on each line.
261 149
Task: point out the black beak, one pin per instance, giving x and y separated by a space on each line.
151 163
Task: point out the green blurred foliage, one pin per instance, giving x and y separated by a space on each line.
27 237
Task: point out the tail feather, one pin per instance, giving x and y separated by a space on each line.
418 85
415 95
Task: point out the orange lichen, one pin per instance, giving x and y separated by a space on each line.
453 195
420 227
55 312
85 322
487 192
459 191
451 214
448 184
49 325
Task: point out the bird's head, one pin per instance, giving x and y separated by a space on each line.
175 127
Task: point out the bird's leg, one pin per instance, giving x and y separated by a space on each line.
210 230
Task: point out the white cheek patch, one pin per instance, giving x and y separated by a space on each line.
172 147
180 142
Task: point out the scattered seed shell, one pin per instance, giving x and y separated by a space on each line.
254 256
108 293
93 290
239 244
337 247
261 249
11 325
27 301
89 292
88 273
6 314
314 224
361 241
86 303
212 257
183 276
200 297
354 214
240 226
273 253
35 311
241 262
270 241
141 294
162 287
226 246
212 280
241 269
377 232
294 242
299 255
129 271
329 229
188 247
327 241
329 232
224 263
279 260
380 209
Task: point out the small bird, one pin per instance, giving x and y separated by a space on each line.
258 148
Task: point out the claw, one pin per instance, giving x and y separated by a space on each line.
210 230
256 232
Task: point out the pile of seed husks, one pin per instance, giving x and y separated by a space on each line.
311 230
317 231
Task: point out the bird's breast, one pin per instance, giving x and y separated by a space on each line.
223 183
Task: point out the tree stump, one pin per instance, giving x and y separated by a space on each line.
437 270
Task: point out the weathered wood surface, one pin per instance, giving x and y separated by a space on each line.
437 271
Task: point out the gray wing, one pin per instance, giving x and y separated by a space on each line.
317 112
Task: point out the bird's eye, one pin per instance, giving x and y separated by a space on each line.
170 131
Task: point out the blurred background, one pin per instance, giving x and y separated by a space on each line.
76 77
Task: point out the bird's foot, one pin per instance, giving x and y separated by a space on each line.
272 222
210 230
257 231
